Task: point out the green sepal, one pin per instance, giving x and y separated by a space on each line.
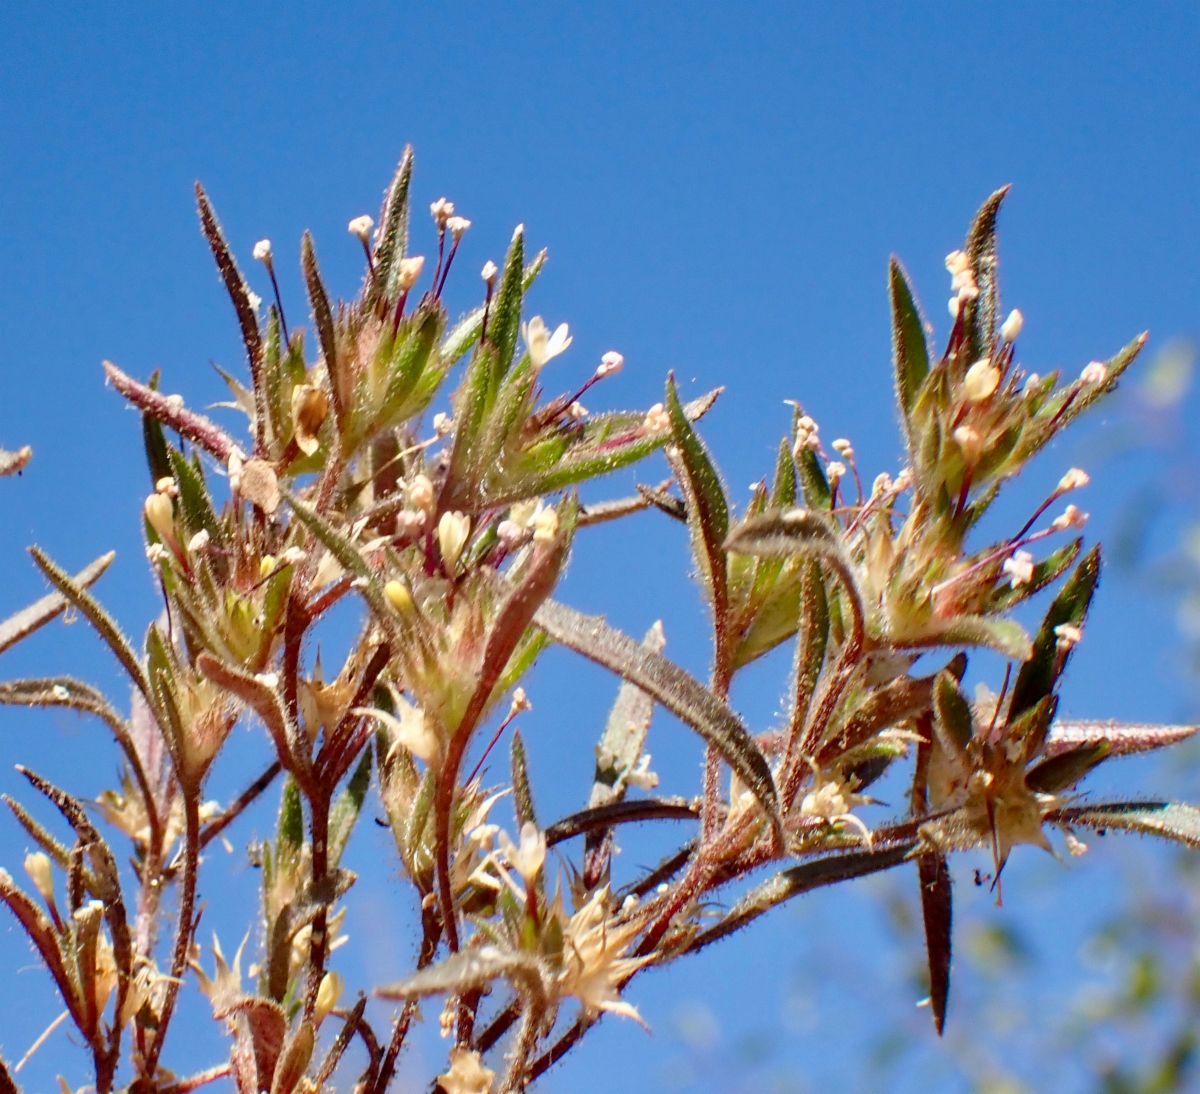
910 353
345 811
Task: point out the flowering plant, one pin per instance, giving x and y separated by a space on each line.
454 544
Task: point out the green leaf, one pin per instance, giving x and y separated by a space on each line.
910 353
1049 570
953 721
393 233
1005 636
813 483
409 363
155 442
1066 769
669 685
522 792
323 321
981 249
505 321
345 811
811 643
783 490
194 501
1170 820
1041 670
290 830
707 508
937 912
784 533
343 549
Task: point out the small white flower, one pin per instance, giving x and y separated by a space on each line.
1032 381
1068 635
981 380
457 226
420 492
1011 327
1072 480
610 364
904 480
467 1075
199 542
970 442
262 250
236 462
957 262
577 411
1019 568
528 856
641 776
545 526
542 345
882 485
255 300
1075 845
843 446
952 306
511 534
167 485
361 227
834 472
409 728
1094 373
410 270
488 273
1071 518
453 530
442 424
175 402
156 552
656 420
441 210
293 556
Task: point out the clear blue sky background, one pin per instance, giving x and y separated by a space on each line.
720 186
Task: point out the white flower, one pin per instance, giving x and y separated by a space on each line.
656 420
957 262
156 553
410 270
1072 480
981 380
409 728
528 856
1020 568
844 446
542 345
199 542
441 210
834 472
882 485
1032 381
594 961
577 411
1011 327
1068 635
159 514
234 465
361 227
262 250
610 364
442 424
488 273
327 996
904 480
166 485
641 776
453 530
1094 373
293 556
1071 518
545 526
457 226
467 1075
255 300
420 492
970 442
952 306
511 534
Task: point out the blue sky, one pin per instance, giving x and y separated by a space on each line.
719 185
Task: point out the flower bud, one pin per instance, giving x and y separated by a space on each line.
981 380
510 533
266 565
37 866
488 273
399 597
457 226
1019 568
1094 373
1072 480
453 530
1071 518
1011 327
327 996
166 485
361 227
199 542
1068 635
970 443
657 419
610 364
410 270
420 492
262 250
441 210
160 515
843 446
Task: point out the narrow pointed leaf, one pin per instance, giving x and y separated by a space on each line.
1067 768
1124 739
812 639
505 321
953 714
345 811
522 792
473 968
784 487
464 334
603 817
813 483
1039 673
323 321
343 549
393 230
1005 636
669 685
1171 820
797 880
910 353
